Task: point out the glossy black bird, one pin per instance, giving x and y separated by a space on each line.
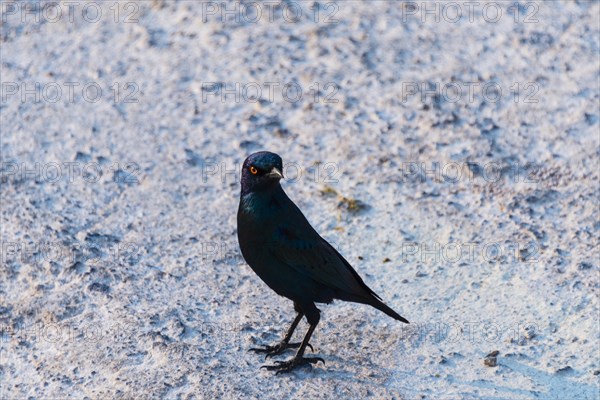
286 252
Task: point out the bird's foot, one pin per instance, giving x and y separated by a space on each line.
283 367
278 348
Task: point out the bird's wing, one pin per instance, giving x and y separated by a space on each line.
297 245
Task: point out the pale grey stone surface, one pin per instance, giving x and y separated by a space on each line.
121 278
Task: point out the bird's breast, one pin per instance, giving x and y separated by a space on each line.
254 227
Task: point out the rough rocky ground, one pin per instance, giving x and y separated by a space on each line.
474 214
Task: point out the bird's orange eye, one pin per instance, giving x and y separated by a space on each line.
253 170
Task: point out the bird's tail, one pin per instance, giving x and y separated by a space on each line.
380 305
373 300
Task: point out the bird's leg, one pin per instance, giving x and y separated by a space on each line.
285 342
299 359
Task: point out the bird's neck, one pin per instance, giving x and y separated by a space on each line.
262 191
265 199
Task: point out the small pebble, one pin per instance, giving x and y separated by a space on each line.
491 359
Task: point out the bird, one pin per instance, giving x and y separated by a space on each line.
286 252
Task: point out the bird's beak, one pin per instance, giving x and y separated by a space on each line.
275 173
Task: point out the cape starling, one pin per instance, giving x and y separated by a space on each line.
286 252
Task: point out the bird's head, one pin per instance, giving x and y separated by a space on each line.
260 171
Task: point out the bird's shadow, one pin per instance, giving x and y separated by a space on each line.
336 367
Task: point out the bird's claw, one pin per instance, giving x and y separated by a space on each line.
283 367
278 349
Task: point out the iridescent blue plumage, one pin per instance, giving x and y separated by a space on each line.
284 250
